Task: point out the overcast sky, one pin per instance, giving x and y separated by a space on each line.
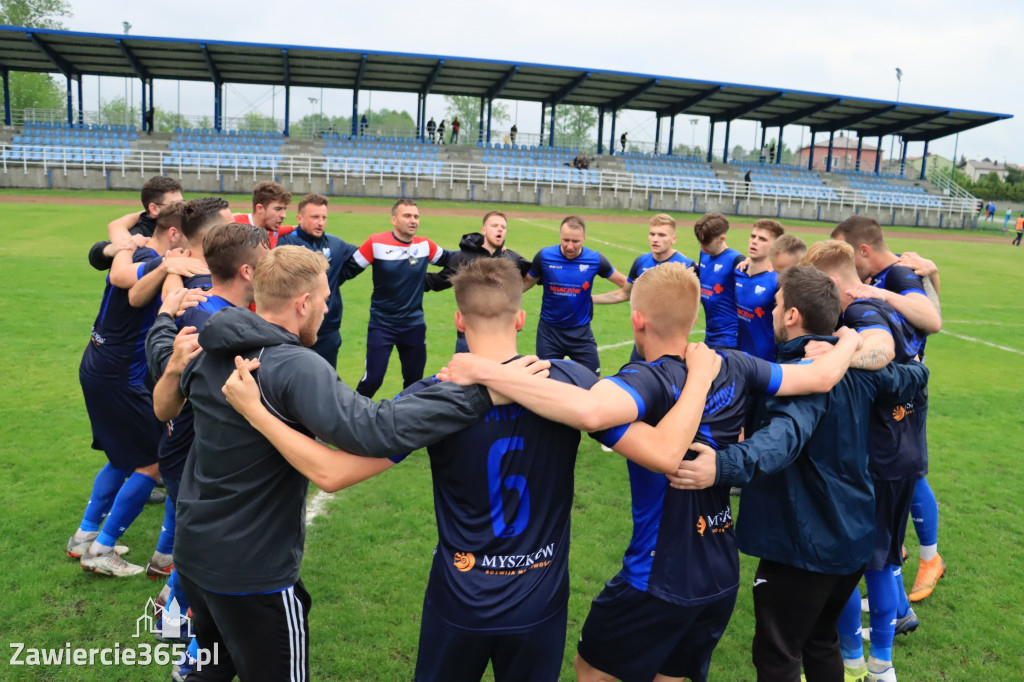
953 54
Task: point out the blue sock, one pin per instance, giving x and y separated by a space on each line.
882 601
165 545
127 505
925 512
104 489
177 592
850 641
902 603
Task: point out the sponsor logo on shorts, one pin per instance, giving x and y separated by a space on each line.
715 523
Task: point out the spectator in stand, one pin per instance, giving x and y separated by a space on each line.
431 129
622 141
455 130
363 125
440 132
512 133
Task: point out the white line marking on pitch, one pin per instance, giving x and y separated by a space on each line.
630 343
317 505
985 343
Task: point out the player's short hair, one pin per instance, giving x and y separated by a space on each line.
266 193
156 187
286 273
832 257
491 214
814 294
668 296
662 219
402 202
859 229
788 244
228 247
170 216
710 226
311 198
575 223
488 288
769 225
200 214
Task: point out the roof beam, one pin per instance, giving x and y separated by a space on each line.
140 70
622 100
569 88
62 64
433 77
360 71
946 132
850 121
210 66
786 119
682 105
286 63
496 89
742 110
902 125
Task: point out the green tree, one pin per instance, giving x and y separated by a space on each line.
467 109
117 112
34 90
573 125
34 13
254 120
166 121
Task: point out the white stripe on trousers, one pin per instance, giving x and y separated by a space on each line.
296 635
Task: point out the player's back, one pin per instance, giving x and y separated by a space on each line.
503 492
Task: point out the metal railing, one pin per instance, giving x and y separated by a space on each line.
66 160
945 184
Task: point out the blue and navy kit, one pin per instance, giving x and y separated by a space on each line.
502 497
337 252
718 296
645 262
567 285
117 350
902 280
683 548
755 301
399 269
897 443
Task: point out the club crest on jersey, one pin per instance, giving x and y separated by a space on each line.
584 267
718 266
327 252
759 289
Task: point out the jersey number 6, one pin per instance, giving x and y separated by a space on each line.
497 487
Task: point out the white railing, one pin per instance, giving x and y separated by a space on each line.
944 183
144 163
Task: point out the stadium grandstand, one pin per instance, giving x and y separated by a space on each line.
73 153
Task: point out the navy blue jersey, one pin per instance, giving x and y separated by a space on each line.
567 301
902 280
176 442
502 496
337 252
755 301
683 548
897 443
117 350
197 282
718 296
645 262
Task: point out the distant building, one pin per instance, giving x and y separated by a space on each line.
975 170
844 154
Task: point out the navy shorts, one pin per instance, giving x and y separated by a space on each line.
892 510
576 343
448 653
123 424
328 342
633 636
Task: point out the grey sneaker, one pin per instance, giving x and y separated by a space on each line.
109 564
156 497
907 623
76 549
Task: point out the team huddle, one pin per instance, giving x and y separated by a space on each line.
211 368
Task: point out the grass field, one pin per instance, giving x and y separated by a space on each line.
368 555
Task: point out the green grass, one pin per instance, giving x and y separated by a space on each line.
368 557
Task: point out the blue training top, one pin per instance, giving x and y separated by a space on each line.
718 296
645 262
567 301
337 252
755 301
117 348
502 497
683 548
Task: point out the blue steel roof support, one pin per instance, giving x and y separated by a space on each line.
850 121
569 88
140 70
622 100
210 66
62 64
683 105
287 65
803 113
431 79
733 114
496 89
359 73
903 125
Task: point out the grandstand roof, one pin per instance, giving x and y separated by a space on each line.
94 54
